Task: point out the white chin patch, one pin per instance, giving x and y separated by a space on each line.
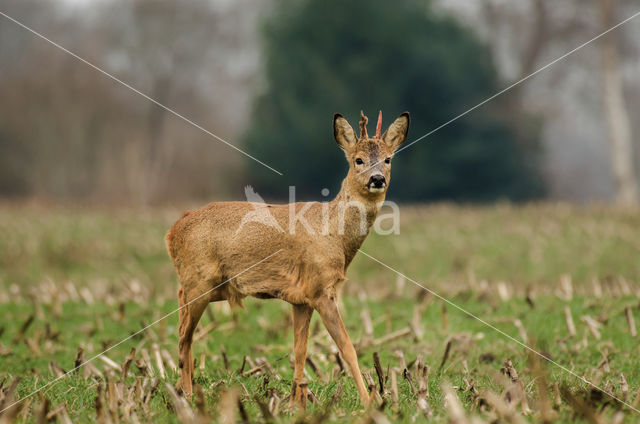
376 189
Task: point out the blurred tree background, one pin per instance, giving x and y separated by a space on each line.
323 57
268 77
71 134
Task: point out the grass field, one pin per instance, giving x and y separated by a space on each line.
87 279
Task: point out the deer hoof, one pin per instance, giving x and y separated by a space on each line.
299 393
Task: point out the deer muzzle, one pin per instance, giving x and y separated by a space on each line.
377 183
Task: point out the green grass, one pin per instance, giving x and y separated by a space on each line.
448 249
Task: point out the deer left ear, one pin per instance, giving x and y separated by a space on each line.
343 133
395 135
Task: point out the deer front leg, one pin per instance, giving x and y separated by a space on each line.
328 310
301 318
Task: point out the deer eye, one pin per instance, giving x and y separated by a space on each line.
387 160
359 161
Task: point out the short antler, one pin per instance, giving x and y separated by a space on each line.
363 125
379 125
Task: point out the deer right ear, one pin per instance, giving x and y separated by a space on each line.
343 133
394 135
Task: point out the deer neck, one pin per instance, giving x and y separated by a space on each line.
352 215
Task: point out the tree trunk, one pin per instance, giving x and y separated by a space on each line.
615 109
154 160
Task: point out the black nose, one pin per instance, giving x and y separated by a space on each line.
377 181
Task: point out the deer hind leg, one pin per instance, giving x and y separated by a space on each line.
191 308
328 310
301 318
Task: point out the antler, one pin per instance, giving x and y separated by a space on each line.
363 125
379 125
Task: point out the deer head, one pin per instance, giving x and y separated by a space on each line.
369 157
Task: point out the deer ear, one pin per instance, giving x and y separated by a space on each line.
396 133
343 133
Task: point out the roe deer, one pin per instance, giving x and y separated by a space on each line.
209 248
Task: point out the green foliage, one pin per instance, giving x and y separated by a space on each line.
324 57
243 333
108 253
526 245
